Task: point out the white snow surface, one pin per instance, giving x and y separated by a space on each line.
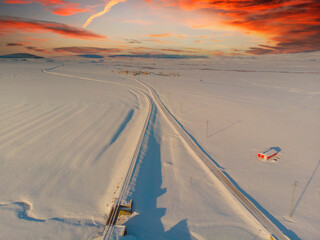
61 140
65 145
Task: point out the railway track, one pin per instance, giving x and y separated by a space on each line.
108 233
109 230
153 98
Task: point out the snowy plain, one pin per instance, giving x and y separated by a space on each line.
66 142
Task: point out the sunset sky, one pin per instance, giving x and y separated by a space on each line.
183 27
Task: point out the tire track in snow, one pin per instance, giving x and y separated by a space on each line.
45 131
25 129
70 138
58 149
20 121
4 108
81 144
93 144
79 141
31 122
10 108
17 115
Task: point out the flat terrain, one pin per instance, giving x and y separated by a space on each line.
249 109
61 140
66 143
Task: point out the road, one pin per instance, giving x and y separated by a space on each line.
215 169
153 98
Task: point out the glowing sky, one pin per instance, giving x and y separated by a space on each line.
185 27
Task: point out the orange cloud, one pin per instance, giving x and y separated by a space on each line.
158 41
161 35
16 1
279 22
11 24
43 2
291 25
58 7
206 51
177 50
137 21
67 11
189 5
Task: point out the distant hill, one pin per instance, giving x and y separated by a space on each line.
20 55
170 56
91 56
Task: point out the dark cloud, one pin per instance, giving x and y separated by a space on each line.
94 56
133 41
15 44
177 50
170 56
37 49
79 50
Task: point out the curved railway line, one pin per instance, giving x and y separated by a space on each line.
108 232
153 100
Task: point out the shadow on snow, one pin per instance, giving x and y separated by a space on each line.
306 187
116 135
292 235
147 224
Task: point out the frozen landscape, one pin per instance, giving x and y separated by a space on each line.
159 119
69 129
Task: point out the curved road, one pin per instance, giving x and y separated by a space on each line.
215 169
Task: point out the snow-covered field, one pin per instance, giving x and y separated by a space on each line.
248 110
65 145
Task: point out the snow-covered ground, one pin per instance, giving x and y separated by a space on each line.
65 145
65 142
248 109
